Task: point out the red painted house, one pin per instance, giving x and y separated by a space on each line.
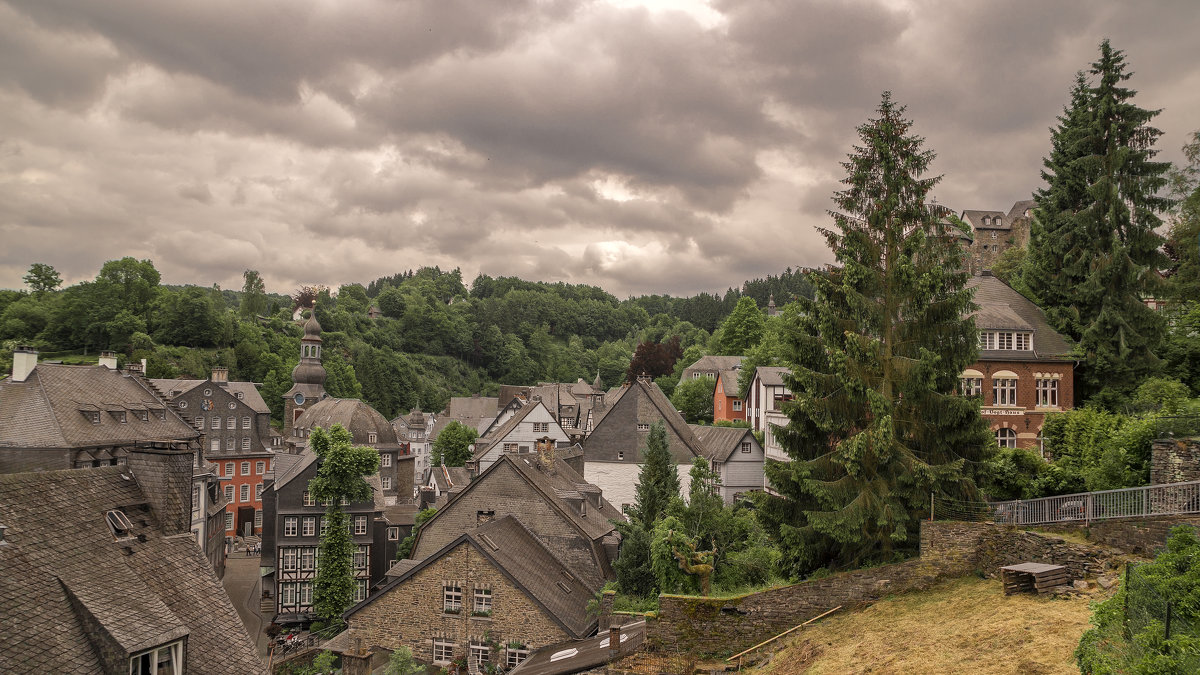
727 405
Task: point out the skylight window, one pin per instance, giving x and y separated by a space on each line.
119 523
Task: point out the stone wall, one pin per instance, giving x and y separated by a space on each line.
411 613
1174 461
1144 537
948 549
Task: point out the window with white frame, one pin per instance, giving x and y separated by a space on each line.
324 525
229 494
308 558
244 493
541 426
1006 340
737 405
246 422
443 651
1006 438
393 534
287 594
971 386
1004 391
245 468
510 447
228 520
643 427
288 559
1047 392
372 437
515 654
216 423
214 445
258 492
195 497
308 499
306 589
228 469
360 590
164 660
745 446
246 443
199 422
385 460
480 654
291 525
361 555
452 598
360 525
386 481
231 423
308 526
483 601
258 518
260 467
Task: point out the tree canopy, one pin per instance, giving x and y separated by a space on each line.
452 447
877 424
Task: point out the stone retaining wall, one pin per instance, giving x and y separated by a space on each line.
1143 536
1174 461
724 626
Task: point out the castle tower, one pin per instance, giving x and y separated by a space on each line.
308 377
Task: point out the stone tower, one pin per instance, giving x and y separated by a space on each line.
308 377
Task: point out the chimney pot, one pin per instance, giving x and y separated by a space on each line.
108 359
24 361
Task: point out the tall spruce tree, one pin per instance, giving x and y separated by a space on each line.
1094 253
658 480
877 424
340 476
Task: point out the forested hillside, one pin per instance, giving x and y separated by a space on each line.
433 338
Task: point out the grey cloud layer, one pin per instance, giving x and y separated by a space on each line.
642 150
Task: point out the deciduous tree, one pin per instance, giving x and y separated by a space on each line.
452 446
743 328
42 278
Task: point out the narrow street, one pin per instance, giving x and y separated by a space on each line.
242 583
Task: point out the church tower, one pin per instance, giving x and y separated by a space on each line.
308 377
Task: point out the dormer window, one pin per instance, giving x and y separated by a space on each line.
372 437
119 415
92 416
164 660
239 395
1006 340
119 523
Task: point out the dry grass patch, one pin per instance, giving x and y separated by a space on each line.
961 626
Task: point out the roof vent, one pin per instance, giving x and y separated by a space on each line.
3 529
985 273
119 523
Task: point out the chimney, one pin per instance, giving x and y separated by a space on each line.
108 359
24 361
134 368
220 374
614 641
164 472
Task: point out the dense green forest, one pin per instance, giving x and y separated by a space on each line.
434 337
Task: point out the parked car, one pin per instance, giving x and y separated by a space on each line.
1071 510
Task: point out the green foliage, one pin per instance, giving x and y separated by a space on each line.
404 550
42 278
340 476
632 568
324 662
1181 348
743 328
1094 252
401 662
1093 449
658 481
254 299
340 381
453 444
694 398
1183 237
1013 474
666 538
877 423
1129 633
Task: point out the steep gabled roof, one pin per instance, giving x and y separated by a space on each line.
47 409
996 220
250 395
524 560
994 298
714 364
772 376
720 442
729 381
62 563
494 436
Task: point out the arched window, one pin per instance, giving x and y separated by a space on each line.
1006 438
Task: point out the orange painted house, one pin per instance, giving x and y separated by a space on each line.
726 404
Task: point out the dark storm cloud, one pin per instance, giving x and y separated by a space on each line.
641 149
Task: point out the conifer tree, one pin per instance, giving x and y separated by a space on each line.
1094 253
877 424
340 476
658 480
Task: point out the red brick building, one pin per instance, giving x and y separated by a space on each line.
1024 370
727 405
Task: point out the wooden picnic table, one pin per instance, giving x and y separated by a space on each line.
1033 577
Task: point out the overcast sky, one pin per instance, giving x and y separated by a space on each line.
647 147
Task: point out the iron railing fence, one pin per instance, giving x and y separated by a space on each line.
1136 502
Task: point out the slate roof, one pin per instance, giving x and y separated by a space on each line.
250 395
63 564
997 299
356 416
45 411
996 220
401 514
283 464
1019 208
289 469
476 412
729 381
772 376
494 436
172 387
659 400
524 560
712 364
720 442
448 477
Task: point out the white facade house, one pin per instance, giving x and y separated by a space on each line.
766 394
529 429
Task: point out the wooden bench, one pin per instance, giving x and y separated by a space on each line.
1033 577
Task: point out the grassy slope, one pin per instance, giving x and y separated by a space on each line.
961 626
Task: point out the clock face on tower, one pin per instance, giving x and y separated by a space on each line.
298 398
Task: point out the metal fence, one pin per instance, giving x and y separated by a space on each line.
1151 612
1137 502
